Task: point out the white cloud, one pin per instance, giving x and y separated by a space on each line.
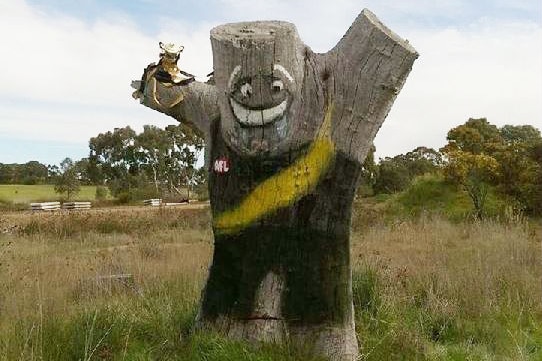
64 59
69 79
491 70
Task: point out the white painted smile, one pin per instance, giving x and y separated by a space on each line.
258 118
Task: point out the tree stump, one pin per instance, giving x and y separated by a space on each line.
286 131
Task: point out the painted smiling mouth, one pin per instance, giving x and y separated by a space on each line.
259 117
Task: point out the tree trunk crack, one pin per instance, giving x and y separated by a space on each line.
262 317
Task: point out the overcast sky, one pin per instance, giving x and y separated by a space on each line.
66 66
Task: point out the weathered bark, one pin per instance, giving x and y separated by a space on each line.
287 131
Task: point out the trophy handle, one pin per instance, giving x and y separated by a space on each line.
163 47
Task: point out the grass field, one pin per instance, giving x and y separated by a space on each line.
17 193
425 289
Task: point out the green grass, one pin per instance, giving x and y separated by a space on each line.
432 193
15 193
429 194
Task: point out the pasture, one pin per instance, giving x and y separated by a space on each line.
19 193
124 284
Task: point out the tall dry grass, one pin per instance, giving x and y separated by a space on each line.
450 291
57 266
124 284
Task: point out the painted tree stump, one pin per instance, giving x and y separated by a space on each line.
286 131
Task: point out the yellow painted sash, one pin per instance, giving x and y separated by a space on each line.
285 187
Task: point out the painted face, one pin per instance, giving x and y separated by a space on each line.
260 71
259 105
261 100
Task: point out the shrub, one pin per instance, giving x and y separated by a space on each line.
101 193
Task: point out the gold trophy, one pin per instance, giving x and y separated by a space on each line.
168 73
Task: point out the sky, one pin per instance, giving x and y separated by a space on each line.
66 66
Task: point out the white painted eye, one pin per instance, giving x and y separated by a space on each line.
278 85
246 90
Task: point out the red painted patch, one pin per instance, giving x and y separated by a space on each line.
222 165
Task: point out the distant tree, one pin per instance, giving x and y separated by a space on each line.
480 155
520 134
113 156
393 176
422 160
200 183
473 172
152 150
129 163
187 145
67 181
369 171
94 171
534 193
519 166
471 161
52 172
82 168
476 136
33 172
6 173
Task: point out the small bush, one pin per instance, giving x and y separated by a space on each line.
101 193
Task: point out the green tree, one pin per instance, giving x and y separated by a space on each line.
520 134
200 183
52 172
480 154
187 145
113 157
520 166
534 191
33 172
67 181
392 176
152 163
422 160
152 149
471 161
6 173
395 174
369 172
83 168
474 173
168 157
476 136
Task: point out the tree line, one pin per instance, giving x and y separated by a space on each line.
478 157
32 172
153 163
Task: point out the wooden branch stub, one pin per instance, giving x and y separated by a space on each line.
367 68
